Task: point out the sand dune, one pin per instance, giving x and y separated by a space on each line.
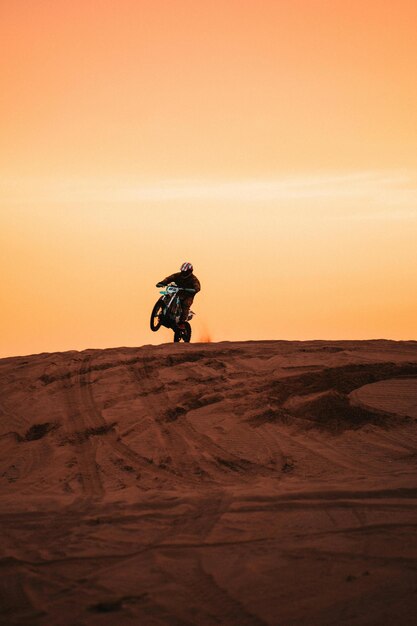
234 483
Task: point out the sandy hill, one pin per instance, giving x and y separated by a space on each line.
234 483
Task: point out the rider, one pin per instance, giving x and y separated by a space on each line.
185 279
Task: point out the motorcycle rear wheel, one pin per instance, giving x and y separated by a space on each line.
156 315
183 335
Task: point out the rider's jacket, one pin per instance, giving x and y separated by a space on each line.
186 282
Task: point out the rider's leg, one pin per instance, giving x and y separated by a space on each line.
186 303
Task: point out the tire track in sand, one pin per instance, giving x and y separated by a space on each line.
76 430
204 592
109 437
170 431
183 437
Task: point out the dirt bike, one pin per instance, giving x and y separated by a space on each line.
167 312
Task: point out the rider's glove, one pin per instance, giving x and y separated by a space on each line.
160 284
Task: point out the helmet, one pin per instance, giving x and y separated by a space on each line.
186 269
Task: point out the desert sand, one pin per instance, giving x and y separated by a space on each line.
253 483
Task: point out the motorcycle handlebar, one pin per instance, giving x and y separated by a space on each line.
180 288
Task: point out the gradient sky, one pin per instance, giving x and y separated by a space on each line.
273 144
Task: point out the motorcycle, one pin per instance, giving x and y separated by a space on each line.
167 312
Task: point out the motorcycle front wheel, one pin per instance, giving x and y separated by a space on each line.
156 315
183 335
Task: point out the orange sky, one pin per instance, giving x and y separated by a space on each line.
273 144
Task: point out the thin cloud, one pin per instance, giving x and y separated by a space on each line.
377 194
393 215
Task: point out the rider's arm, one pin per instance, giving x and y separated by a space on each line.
167 280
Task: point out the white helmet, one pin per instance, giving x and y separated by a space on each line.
186 269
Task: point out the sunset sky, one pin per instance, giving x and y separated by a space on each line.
271 143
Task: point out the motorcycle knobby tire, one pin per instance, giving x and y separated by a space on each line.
156 315
183 335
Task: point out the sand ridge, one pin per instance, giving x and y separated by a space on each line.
234 483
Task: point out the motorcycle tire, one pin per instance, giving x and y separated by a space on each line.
183 335
156 315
